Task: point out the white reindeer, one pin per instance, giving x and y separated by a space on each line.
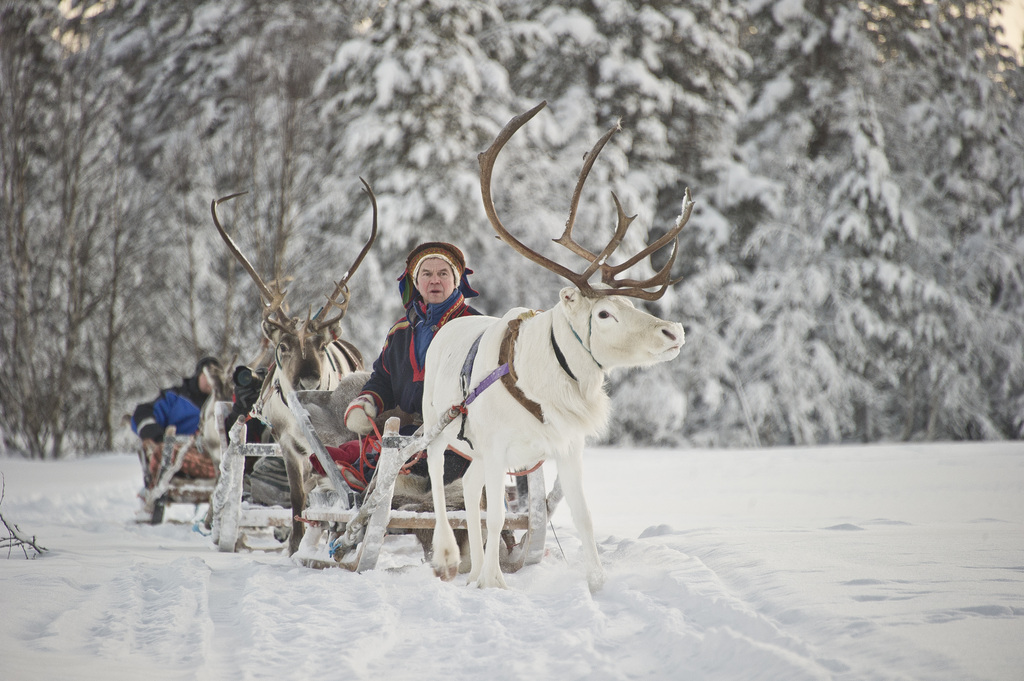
308 355
552 396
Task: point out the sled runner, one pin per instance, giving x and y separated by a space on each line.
233 517
347 528
355 534
180 473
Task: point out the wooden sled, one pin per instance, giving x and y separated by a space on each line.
232 518
346 528
169 487
355 535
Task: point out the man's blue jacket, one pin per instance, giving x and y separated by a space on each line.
178 407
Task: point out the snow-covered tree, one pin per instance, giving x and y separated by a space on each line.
221 102
955 116
64 236
407 102
840 95
671 73
854 268
817 358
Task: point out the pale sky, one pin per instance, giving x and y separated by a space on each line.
1013 23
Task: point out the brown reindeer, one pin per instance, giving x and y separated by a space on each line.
308 355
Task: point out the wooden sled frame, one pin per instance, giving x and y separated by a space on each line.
356 534
168 489
230 518
356 525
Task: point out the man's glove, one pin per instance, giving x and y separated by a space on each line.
150 431
359 415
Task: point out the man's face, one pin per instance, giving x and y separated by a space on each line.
435 280
204 383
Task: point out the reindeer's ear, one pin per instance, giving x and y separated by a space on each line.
270 331
570 296
330 333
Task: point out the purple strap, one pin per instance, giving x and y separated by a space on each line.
486 383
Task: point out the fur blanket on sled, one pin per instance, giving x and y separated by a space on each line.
327 416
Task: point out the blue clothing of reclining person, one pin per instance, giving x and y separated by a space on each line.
179 407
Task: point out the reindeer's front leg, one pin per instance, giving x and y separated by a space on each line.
494 476
570 472
293 464
472 486
446 549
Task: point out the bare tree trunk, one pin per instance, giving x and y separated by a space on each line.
27 74
909 405
190 284
112 329
54 108
282 225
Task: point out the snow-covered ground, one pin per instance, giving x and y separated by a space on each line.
854 563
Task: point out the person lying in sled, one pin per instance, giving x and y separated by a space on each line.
179 407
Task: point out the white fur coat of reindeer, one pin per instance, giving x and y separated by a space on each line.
553 396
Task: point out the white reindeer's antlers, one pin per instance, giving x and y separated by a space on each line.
634 288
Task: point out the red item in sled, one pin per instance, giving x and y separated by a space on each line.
357 459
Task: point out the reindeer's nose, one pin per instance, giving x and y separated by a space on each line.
674 333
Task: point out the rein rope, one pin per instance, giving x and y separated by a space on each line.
590 333
355 474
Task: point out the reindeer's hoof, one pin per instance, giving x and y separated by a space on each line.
446 559
492 582
446 572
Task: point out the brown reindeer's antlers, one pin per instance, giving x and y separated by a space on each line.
342 286
635 288
273 296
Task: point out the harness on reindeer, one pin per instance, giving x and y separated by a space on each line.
505 372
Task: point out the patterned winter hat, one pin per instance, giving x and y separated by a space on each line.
434 249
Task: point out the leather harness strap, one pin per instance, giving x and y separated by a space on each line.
560 357
505 372
509 380
353 362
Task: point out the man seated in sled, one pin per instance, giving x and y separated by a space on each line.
179 407
265 481
434 289
247 383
